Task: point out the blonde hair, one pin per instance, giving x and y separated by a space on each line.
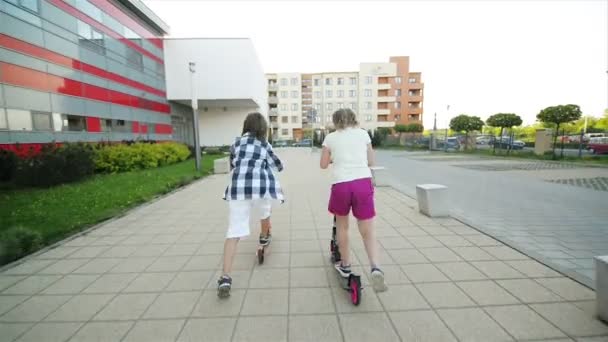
344 118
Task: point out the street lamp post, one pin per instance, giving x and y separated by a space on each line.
197 145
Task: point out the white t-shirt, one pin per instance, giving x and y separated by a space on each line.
348 149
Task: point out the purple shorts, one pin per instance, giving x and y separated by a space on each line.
358 194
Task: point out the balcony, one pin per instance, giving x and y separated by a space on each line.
415 98
273 87
384 111
383 86
414 85
273 112
416 110
273 100
386 99
385 123
274 124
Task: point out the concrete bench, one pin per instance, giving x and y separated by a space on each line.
221 165
601 286
433 199
379 176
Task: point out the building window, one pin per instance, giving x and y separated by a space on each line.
368 105
91 38
283 106
284 131
328 119
294 81
340 105
340 93
353 81
397 117
75 123
369 80
340 80
397 105
353 105
368 118
3 120
398 92
398 80
329 106
412 80
368 93
328 81
31 5
328 93
283 81
122 126
317 81
318 107
285 119
135 59
294 94
294 107
284 94
18 119
352 93
317 94
294 119
42 121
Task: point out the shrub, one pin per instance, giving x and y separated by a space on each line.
17 242
55 165
8 164
139 156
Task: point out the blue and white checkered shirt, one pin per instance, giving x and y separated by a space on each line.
252 162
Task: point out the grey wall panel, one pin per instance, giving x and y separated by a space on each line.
2 103
64 72
55 15
94 80
120 112
67 104
61 46
21 98
92 58
116 67
16 58
97 108
21 30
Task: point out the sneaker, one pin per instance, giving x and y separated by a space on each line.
378 282
343 270
223 286
265 239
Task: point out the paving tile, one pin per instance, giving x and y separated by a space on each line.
320 328
440 254
407 256
444 295
172 305
187 281
70 284
472 253
402 297
168 264
210 305
98 266
10 301
64 266
396 242
567 288
269 278
10 331
273 328
483 240
150 282
182 249
369 301
423 273
460 271
422 326
102 332
424 241
393 274
203 262
266 302
532 268
240 280
310 301
34 309
163 330
523 323
487 292
472 324
308 277
79 308
28 267
88 252
497 269
367 327
119 252
505 253
308 259
110 283
32 285
126 307
454 241
571 319
50 332
528 291
207 329
133 264
59 252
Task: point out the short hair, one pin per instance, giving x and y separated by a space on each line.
255 124
343 118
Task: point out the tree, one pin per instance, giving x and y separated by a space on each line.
559 115
415 128
465 123
503 120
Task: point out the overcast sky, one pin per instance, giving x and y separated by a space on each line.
479 57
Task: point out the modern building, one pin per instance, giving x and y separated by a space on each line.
382 95
93 70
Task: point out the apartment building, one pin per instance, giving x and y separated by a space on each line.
382 95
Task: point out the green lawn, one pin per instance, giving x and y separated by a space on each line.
62 210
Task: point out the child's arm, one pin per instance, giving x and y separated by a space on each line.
325 157
371 158
232 156
273 160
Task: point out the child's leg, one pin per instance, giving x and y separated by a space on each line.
368 233
265 209
339 205
238 228
342 235
229 251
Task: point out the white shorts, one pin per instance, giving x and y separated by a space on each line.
240 213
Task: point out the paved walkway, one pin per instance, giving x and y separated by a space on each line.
150 276
562 225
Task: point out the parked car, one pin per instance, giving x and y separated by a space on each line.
484 140
303 143
598 145
280 143
506 142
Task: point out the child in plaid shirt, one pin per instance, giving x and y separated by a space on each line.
252 184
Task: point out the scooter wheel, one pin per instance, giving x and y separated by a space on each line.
354 285
260 255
